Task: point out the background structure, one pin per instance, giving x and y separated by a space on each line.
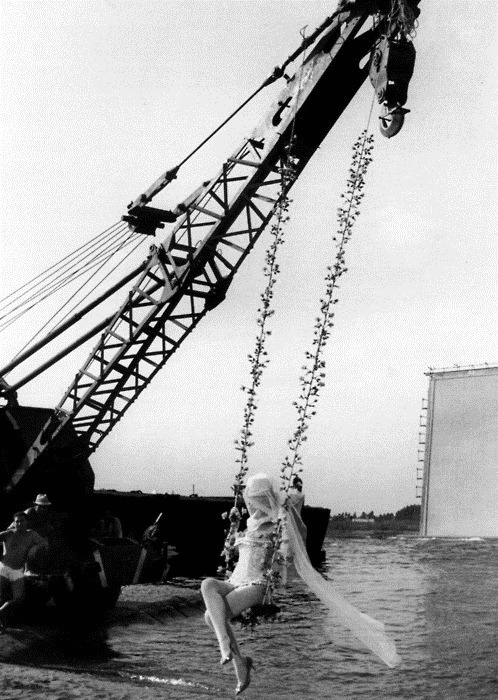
460 487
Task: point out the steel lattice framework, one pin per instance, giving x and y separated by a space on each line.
185 277
190 272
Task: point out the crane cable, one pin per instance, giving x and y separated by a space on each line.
63 268
79 250
277 73
55 287
61 278
30 287
132 237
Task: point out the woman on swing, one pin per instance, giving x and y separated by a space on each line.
246 586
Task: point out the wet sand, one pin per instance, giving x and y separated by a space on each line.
30 683
32 675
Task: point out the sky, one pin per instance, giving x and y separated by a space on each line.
99 98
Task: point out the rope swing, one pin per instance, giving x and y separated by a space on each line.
312 380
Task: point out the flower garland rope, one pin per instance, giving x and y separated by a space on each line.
259 358
314 370
313 377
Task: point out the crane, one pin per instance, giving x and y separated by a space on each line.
215 228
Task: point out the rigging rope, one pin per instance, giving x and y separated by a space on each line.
93 241
141 240
57 268
277 73
55 286
110 244
132 237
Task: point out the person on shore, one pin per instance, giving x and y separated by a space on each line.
297 483
108 525
41 515
247 585
18 544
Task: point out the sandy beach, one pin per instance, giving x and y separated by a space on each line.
142 604
44 684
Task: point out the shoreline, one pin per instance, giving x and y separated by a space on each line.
33 662
155 602
373 533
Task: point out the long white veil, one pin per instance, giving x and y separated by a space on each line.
369 631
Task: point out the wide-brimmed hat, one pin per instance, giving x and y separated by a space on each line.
42 500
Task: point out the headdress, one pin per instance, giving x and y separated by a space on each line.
261 500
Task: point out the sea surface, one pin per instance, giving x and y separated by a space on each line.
438 599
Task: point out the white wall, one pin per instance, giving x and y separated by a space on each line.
460 490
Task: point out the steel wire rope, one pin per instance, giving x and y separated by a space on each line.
220 126
141 240
278 73
56 287
59 274
124 244
65 278
62 276
22 313
59 262
89 266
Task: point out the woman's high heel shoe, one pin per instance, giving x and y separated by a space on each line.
226 659
242 685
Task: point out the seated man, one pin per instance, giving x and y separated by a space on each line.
17 545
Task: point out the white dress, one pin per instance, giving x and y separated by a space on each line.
255 554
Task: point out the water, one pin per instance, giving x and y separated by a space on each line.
438 599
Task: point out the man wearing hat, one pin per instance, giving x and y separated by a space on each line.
41 500
41 515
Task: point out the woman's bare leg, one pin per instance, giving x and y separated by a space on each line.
214 593
223 603
237 601
234 647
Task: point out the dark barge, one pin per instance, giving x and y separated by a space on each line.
187 541
193 525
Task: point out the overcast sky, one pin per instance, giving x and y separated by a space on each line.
99 98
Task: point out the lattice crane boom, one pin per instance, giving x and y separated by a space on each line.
190 272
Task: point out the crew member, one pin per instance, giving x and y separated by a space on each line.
18 543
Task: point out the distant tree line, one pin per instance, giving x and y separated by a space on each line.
409 515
